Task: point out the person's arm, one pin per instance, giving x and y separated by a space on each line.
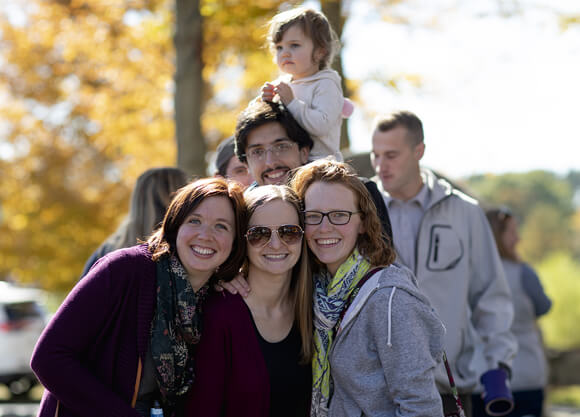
238 285
212 358
59 355
489 294
533 287
267 92
322 114
416 346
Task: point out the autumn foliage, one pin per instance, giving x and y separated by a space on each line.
87 105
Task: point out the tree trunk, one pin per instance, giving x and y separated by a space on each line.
333 11
188 87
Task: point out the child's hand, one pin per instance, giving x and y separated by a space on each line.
237 285
267 92
285 93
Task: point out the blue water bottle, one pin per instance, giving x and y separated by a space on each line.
156 410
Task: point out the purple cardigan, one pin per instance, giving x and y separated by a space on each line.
87 357
231 378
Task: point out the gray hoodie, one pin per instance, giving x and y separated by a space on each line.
384 356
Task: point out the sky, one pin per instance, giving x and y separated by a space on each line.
498 94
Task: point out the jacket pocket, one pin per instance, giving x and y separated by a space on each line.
445 248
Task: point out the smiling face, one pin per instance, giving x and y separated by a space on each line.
276 257
396 162
204 240
332 244
295 53
273 169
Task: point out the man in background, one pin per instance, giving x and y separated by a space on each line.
443 236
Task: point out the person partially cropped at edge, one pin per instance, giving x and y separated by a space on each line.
125 335
530 368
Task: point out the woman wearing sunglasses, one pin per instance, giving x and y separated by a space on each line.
254 357
124 336
377 340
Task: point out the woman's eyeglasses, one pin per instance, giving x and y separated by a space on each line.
259 236
336 217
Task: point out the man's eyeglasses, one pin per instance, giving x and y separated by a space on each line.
279 150
259 236
336 217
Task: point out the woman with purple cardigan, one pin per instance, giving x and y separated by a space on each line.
124 336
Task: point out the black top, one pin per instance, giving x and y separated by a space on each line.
382 211
290 382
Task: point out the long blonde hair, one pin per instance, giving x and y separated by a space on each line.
301 284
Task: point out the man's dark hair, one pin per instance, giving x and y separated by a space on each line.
259 113
405 119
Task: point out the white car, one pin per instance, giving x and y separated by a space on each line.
22 319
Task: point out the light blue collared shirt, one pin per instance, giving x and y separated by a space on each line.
405 220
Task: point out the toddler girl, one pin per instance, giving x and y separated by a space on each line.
304 45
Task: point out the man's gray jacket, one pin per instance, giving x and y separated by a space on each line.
458 267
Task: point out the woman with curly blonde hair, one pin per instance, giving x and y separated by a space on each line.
377 340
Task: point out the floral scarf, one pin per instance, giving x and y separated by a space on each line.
330 297
175 329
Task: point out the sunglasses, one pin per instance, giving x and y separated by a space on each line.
259 236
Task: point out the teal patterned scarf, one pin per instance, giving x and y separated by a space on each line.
175 329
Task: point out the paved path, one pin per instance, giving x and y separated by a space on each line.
29 410
18 410
563 412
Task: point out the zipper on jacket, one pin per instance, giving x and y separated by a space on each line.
419 232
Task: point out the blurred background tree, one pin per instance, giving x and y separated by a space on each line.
88 104
94 93
86 90
543 202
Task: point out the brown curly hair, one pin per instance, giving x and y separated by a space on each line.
371 243
301 285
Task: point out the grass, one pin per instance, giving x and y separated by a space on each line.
568 396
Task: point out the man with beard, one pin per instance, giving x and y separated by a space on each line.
272 144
